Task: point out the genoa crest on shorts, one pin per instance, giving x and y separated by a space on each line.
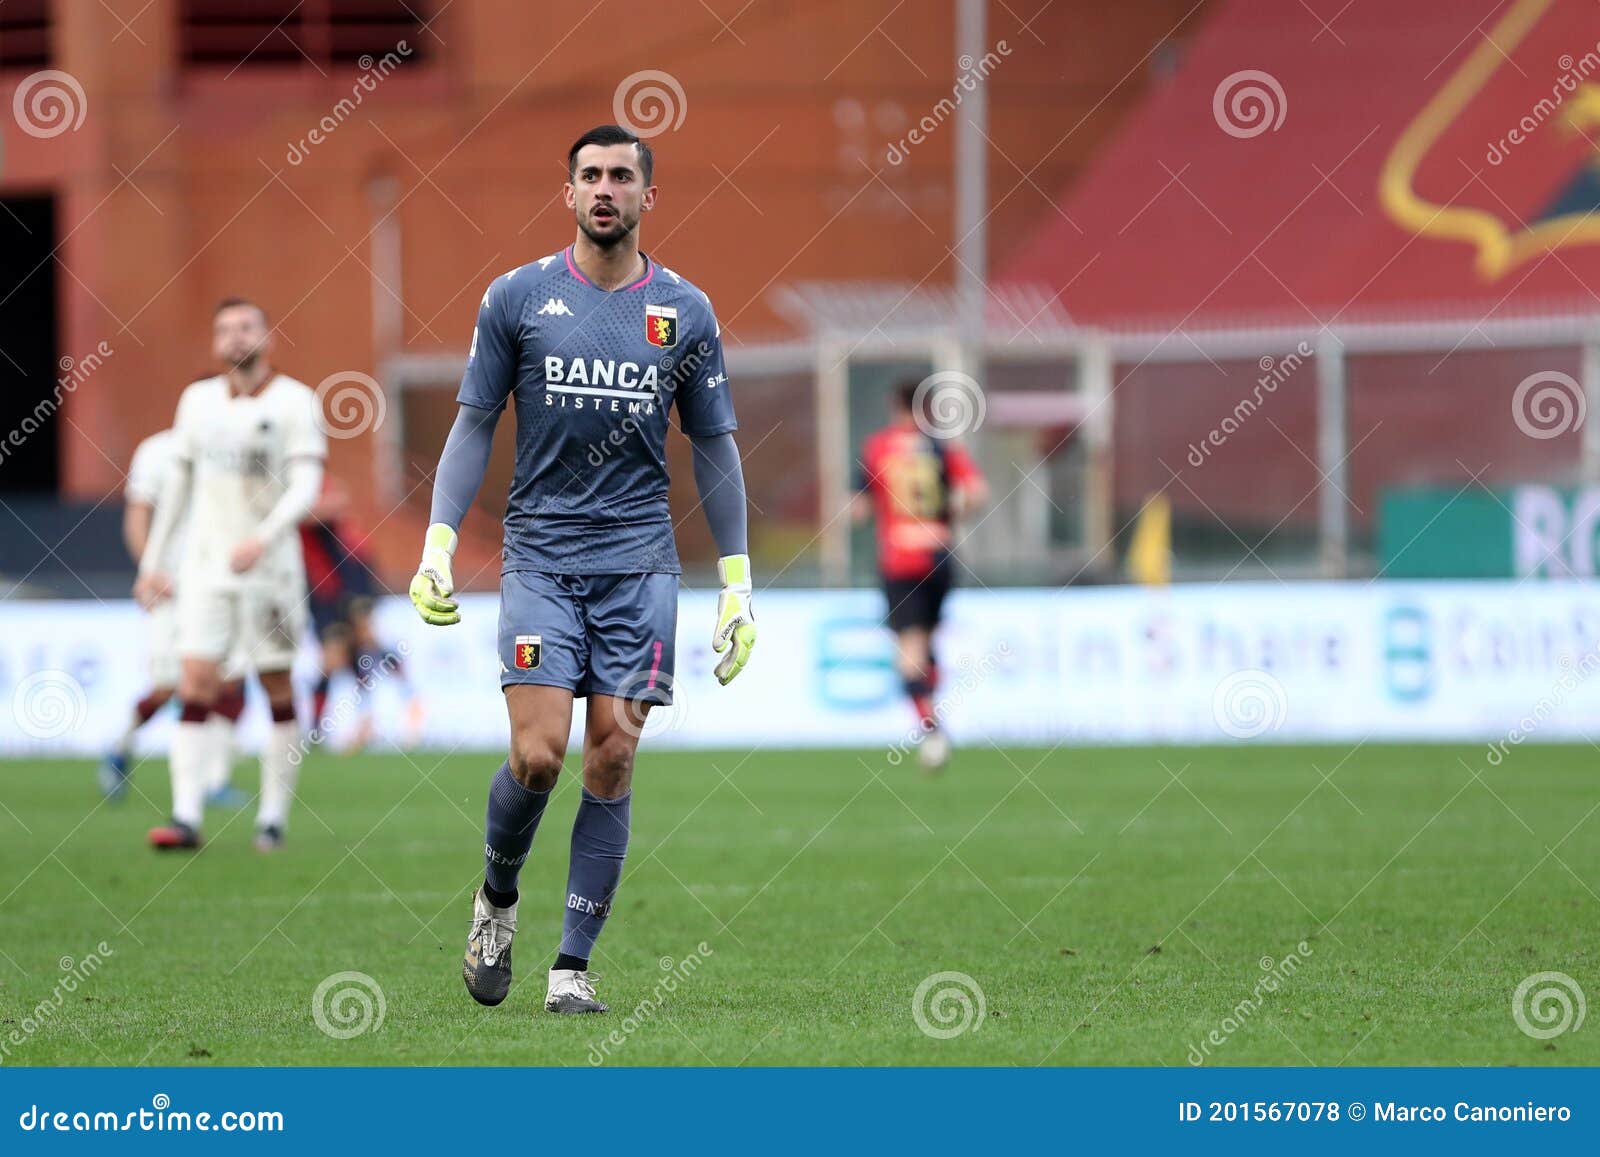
527 653
661 325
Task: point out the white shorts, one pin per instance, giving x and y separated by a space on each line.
161 643
246 627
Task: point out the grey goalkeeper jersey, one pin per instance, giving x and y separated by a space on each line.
592 375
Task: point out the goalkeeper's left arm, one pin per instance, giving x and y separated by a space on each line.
719 477
455 485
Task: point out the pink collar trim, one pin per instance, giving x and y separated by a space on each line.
650 271
572 268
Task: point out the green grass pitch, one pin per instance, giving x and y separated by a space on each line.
1114 906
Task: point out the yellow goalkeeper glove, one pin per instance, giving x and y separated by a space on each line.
433 585
735 633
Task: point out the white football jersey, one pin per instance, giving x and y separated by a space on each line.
153 463
240 447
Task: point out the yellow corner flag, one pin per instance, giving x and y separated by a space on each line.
1150 553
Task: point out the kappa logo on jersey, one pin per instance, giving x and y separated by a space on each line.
555 307
528 652
661 325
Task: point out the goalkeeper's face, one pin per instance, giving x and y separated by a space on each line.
240 337
607 192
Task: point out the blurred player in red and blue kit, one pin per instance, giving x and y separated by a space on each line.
916 485
341 597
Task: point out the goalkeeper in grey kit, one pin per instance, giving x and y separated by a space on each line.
592 346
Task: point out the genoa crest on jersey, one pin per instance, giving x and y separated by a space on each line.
661 325
528 652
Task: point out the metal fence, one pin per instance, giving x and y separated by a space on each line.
1272 445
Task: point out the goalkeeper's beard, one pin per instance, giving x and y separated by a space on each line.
609 241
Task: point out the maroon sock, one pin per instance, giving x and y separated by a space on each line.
230 702
150 704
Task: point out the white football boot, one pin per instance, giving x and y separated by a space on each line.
572 991
934 750
486 968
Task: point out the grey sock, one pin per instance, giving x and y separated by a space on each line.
599 845
513 817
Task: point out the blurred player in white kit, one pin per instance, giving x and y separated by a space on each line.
147 475
248 452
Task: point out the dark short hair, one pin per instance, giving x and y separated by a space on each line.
612 135
905 392
235 303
